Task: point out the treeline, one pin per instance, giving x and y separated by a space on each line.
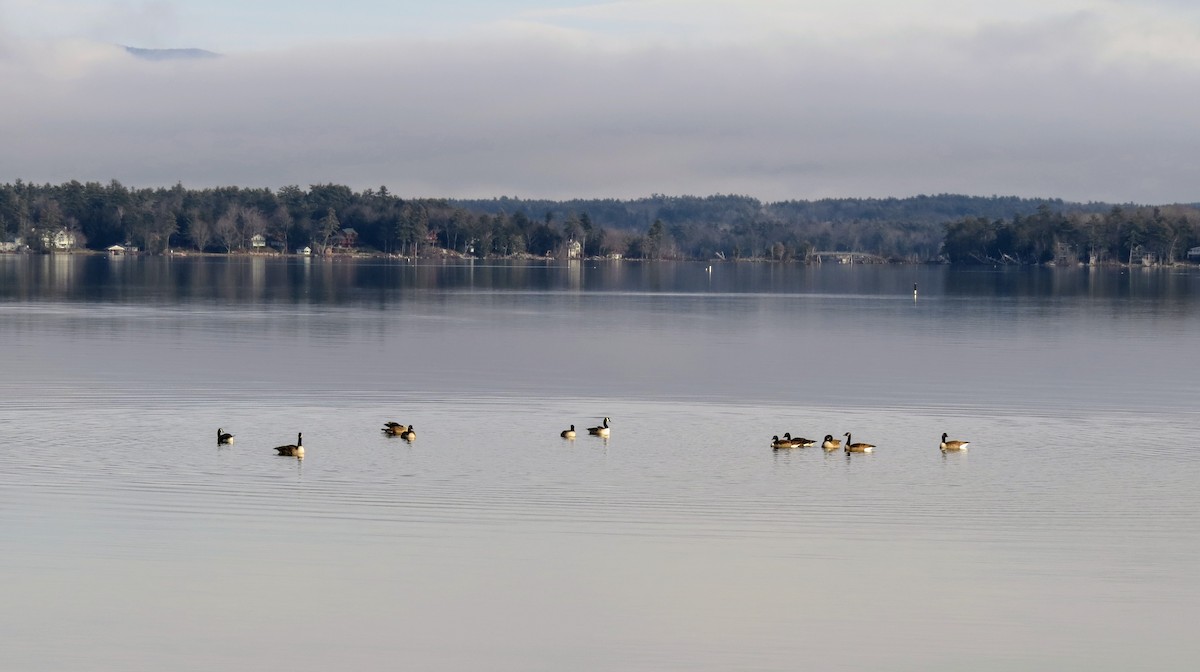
732 226
325 217
1153 235
330 217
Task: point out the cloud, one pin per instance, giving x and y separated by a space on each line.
1083 102
150 24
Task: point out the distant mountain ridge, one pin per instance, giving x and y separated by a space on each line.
170 54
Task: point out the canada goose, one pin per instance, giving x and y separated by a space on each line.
408 434
296 450
831 443
952 445
223 438
601 431
394 429
799 442
568 433
787 441
857 447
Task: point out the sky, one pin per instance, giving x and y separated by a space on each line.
1085 100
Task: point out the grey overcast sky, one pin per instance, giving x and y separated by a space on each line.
1078 99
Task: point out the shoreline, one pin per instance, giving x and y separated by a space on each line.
448 255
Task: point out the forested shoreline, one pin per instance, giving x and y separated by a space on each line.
334 219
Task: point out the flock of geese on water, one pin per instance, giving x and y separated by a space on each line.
405 432
830 444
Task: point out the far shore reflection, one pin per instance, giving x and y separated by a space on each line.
303 280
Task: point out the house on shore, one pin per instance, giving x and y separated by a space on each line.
346 239
574 249
59 241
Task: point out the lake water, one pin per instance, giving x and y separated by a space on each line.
1067 537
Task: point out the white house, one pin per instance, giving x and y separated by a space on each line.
1193 253
574 249
60 240
306 250
258 241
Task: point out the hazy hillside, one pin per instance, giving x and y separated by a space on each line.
170 54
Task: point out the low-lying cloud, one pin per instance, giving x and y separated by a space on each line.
1092 102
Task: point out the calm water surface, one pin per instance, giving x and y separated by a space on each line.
1066 538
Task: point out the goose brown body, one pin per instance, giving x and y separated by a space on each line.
831 443
788 442
951 446
799 442
293 450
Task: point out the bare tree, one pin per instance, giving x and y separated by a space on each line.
279 225
253 222
329 225
47 219
227 230
412 227
75 231
200 230
162 227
